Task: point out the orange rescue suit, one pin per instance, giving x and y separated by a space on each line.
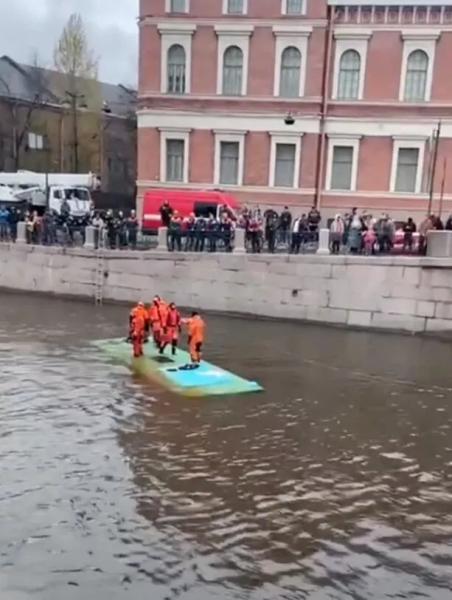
196 331
173 321
157 316
137 331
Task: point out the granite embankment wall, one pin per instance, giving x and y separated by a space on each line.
410 294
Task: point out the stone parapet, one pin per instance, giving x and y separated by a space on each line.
412 294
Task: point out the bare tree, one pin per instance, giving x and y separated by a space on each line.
72 54
76 61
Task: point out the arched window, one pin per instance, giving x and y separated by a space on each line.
232 71
176 70
289 85
349 74
416 76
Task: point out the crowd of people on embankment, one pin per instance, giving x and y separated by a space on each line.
270 231
113 229
265 230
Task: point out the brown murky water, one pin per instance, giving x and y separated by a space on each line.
333 484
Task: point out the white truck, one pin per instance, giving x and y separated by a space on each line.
32 187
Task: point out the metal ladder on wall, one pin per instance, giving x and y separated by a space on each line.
100 271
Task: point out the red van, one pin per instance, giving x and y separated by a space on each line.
202 203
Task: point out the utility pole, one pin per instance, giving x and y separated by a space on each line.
437 136
73 101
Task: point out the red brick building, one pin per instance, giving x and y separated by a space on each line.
365 82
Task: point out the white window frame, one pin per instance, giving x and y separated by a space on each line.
297 37
284 8
172 133
168 7
285 138
415 143
35 141
225 135
352 141
419 40
182 36
244 11
357 40
233 35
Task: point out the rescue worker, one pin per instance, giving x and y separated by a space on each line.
173 327
196 332
155 321
137 330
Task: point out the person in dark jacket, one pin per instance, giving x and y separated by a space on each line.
212 233
200 234
175 233
409 229
190 233
271 227
166 212
285 224
132 229
122 230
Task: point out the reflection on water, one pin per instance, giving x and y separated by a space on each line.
333 484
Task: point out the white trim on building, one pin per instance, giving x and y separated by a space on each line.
284 8
171 35
351 141
244 9
409 142
351 39
174 133
168 6
286 37
228 135
278 137
233 35
365 127
419 39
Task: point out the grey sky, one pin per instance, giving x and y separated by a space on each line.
29 26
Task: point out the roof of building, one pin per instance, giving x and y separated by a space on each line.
30 83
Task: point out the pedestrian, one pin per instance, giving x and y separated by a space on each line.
409 228
98 224
337 229
285 223
132 229
355 233
4 224
225 231
254 228
272 222
296 235
212 233
166 212
369 239
314 218
111 226
122 230
14 218
200 234
175 233
424 228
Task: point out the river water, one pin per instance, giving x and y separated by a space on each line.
333 484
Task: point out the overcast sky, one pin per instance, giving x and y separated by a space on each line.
29 26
